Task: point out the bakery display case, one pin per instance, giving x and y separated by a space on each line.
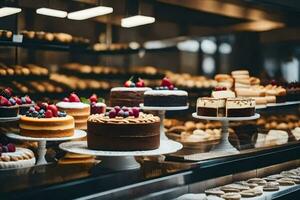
158 99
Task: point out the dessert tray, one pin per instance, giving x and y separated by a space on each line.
119 160
10 119
42 142
224 145
161 114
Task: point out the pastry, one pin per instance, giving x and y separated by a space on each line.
248 193
276 137
131 95
129 129
240 107
214 191
46 122
15 157
73 107
271 186
208 106
231 196
286 181
165 96
258 181
222 92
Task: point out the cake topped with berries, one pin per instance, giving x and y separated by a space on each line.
166 95
46 121
97 104
222 92
131 95
8 107
73 106
15 157
123 129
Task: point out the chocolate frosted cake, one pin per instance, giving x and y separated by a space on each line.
165 98
127 96
240 107
123 134
212 107
121 130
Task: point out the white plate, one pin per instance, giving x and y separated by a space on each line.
10 119
283 104
256 116
163 108
80 147
77 134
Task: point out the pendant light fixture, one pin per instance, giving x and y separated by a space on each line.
51 12
90 12
135 18
5 11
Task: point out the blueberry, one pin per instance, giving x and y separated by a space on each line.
23 99
28 114
31 109
126 114
12 101
35 113
63 113
41 111
41 115
132 85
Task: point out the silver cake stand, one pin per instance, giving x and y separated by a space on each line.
224 145
42 143
10 119
161 114
119 160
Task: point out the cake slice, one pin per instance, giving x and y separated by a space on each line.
240 107
212 107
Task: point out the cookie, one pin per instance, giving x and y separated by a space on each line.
258 181
231 196
286 181
248 193
258 190
271 186
251 185
214 191
233 188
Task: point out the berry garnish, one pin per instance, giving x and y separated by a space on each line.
140 83
48 114
121 113
3 101
220 88
12 101
93 98
74 98
37 108
112 113
132 84
135 111
127 84
18 100
54 109
117 109
11 147
23 100
4 149
166 82
171 87
66 99
28 100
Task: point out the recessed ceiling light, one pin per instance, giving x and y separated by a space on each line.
5 11
136 20
90 12
52 12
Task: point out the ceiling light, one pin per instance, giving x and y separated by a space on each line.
136 20
90 12
5 11
52 12
189 45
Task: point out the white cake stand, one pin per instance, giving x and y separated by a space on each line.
161 114
119 160
10 119
224 145
42 143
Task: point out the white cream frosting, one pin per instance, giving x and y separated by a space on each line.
223 94
232 103
166 92
75 105
210 102
276 137
130 89
100 104
296 133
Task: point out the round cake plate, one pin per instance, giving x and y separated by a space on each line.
10 119
283 104
42 142
161 114
119 160
224 145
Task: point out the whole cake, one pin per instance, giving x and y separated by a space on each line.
46 122
80 111
125 129
240 107
12 157
166 96
131 95
8 107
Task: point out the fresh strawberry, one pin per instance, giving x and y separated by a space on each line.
9 103
66 99
28 100
18 100
166 82
43 105
48 114
127 83
11 147
54 109
93 98
37 108
3 101
74 98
